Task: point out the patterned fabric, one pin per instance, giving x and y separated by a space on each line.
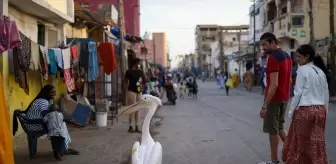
35 112
305 142
25 53
54 121
21 76
69 82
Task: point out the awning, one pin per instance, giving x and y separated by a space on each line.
88 17
41 9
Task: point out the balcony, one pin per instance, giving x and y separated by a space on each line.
58 12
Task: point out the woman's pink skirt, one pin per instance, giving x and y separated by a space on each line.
305 143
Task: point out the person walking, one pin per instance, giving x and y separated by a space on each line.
278 74
133 85
248 80
227 86
305 143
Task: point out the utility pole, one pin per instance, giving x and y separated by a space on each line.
121 23
254 43
332 46
154 47
221 48
311 23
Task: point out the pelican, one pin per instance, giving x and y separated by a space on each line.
148 151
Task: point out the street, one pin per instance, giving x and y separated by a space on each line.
220 129
213 129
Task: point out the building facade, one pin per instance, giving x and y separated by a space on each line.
205 36
160 48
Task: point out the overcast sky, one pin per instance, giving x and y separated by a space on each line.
178 18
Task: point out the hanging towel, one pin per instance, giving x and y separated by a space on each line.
53 63
74 54
59 57
93 62
107 54
44 51
69 82
35 56
66 58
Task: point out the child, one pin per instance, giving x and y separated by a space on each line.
190 87
182 89
154 87
56 133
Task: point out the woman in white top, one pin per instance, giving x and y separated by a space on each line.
305 143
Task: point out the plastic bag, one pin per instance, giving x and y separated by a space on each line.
229 83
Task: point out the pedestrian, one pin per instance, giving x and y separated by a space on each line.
235 78
305 143
248 80
263 80
182 89
277 93
222 80
227 85
133 85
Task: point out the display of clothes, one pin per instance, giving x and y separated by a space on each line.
21 76
108 56
9 34
35 56
93 71
53 63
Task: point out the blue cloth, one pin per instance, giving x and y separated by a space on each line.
59 57
53 63
93 62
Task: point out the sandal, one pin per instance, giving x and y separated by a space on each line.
71 152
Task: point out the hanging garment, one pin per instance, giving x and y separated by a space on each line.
6 147
84 56
35 56
93 62
21 76
59 57
24 53
74 54
45 55
66 58
107 54
9 34
53 63
69 82
43 63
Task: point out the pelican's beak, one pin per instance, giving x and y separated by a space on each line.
129 109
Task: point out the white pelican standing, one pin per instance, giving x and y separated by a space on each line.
149 151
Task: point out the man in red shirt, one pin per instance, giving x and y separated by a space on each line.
277 94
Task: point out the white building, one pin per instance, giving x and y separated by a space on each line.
259 21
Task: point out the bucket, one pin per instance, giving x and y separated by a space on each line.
101 119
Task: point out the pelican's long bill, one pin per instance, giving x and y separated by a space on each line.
129 109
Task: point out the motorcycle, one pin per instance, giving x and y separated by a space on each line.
171 93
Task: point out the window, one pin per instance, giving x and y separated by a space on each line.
41 34
297 21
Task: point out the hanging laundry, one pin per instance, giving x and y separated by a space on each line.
93 62
84 56
107 54
43 63
21 76
74 54
35 56
53 63
9 34
66 58
59 57
69 82
24 52
45 55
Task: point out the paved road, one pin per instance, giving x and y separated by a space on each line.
219 129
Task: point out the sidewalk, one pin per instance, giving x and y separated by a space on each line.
111 145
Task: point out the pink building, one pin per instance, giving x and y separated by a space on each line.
150 54
160 47
131 8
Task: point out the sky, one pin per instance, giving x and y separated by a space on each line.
178 18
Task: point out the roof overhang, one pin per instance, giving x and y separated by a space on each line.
43 10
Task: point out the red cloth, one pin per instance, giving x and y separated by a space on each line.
74 52
108 56
279 61
305 143
9 34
